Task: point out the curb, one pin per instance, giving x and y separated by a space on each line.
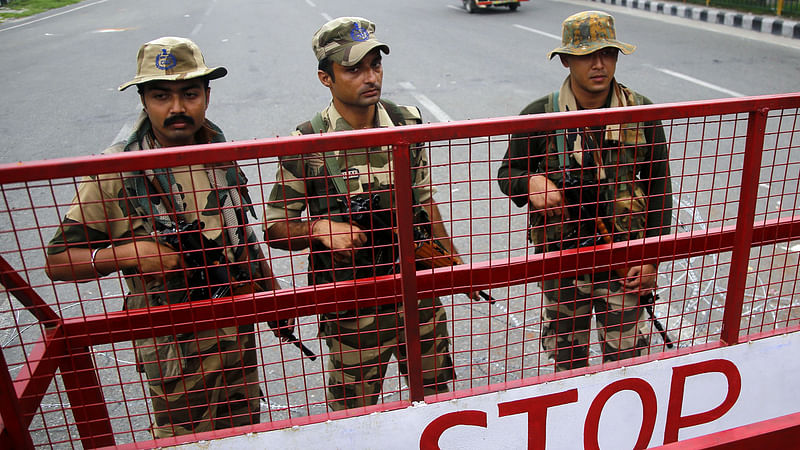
763 24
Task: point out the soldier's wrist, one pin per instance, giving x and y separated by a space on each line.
96 260
312 229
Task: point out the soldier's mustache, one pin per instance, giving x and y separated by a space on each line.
371 86
178 118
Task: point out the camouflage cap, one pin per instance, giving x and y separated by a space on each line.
346 40
589 31
171 59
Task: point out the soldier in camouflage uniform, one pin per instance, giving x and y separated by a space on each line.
197 381
571 177
361 342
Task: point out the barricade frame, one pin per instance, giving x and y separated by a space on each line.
65 345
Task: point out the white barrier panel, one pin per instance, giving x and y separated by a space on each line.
655 403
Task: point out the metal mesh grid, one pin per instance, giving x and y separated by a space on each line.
492 343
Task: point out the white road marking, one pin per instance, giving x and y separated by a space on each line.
533 30
327 17
54 15
311 4
699 82
427 103
208 11
199 26
104 30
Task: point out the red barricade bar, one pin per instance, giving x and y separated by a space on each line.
73 352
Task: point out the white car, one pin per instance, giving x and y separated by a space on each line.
472 5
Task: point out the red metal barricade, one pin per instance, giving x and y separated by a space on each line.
728 270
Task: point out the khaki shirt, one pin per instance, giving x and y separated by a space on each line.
302 183
634 197
107 211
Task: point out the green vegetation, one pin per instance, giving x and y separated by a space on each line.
789 8
24 8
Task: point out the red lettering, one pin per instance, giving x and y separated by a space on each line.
679 374
435 429
649 411
536 408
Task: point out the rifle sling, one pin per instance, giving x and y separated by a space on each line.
166 199
317 125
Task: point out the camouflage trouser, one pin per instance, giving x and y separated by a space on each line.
567 317
218 387
360 349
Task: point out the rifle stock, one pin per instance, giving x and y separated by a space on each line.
289 336
431 254
647 300
367 213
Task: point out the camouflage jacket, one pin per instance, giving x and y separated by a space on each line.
304 184
628 177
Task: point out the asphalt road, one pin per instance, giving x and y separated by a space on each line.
59 74
60 70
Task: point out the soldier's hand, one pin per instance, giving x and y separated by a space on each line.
283 330
341 237
544 196
148 256
641 278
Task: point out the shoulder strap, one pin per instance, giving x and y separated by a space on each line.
402 115
399 115
305 128
335 173
552 102
561 135
317 124
313 126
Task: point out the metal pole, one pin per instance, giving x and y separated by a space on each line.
19 288
754 147
87 402
408 268
14 431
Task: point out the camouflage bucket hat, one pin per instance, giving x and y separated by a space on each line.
346 40
589 31
171 59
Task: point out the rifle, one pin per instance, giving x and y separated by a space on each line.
287 334
376 222
646 300
207 272
366 212
574 190
432 254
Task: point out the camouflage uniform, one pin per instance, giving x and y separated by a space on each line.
637 192
620 173
362 342
198 381
634 186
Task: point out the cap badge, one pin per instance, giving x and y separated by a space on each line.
165 61
359 34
